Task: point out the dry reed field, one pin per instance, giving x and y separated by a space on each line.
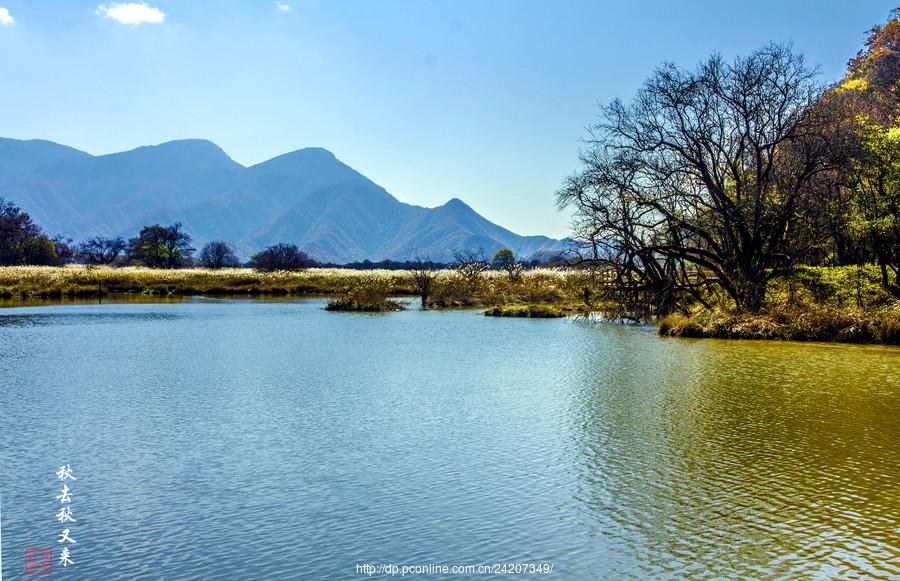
85 281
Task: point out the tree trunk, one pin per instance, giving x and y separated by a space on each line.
751 294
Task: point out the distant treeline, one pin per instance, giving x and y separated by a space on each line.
22 242
416 264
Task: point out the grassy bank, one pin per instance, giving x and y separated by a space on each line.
799 323
843 304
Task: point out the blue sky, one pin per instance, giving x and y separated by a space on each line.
482 100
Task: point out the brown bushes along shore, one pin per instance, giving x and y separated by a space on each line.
800 323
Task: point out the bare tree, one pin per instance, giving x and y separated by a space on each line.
423 276
281 257
704 170
65 250
218 254
100 250
616 248
470 265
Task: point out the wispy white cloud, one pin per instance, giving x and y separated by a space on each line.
282 7
6 18
133 13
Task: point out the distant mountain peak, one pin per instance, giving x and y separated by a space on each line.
313 152
457 204
188 142
302 159
181 155
304 155
193 147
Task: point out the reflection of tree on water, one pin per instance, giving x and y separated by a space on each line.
734 458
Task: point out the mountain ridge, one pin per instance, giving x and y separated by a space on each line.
307 196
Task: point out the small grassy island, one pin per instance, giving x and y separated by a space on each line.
369 294
531 311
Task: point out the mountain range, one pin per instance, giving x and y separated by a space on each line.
307 197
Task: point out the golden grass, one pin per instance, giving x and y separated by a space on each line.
792 323
85 281
532 311
368 294
17 279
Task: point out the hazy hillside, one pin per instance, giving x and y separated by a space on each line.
307 197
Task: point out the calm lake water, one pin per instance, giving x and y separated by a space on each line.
274 440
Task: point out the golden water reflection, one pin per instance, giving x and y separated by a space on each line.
717 458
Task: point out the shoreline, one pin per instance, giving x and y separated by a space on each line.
540 293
